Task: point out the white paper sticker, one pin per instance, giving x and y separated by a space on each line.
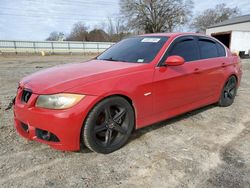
140 60
153 40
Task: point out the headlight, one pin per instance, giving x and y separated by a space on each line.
58 101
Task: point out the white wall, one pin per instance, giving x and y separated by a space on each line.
240 41
239 27
240 37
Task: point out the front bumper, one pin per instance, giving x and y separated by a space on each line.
66 124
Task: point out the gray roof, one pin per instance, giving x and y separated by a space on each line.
235 20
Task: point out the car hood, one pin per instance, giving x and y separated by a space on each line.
63 77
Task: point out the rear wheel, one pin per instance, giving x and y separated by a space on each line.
229 92
108 125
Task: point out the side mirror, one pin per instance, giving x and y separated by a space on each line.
174 60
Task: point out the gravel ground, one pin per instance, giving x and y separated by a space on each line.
208 147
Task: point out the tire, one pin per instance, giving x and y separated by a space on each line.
228 92
108 125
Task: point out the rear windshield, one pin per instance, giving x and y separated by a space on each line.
135 50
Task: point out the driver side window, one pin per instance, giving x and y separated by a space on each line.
186 48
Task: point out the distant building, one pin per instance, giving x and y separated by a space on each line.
234 33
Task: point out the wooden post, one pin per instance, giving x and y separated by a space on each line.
52 46
98 48
69 47
83 47
15 46
34 46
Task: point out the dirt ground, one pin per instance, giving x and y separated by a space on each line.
209 147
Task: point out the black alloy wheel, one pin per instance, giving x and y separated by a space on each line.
229 92
108 125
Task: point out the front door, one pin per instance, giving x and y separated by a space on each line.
175 87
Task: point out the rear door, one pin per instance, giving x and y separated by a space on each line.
211 64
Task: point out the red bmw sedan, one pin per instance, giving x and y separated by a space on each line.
138 81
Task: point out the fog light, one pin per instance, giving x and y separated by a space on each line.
25 127
46 135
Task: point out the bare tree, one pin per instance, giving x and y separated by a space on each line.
116 29
156 15
78 33
110 26
55 36
97 35
212 16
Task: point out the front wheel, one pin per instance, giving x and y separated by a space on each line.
229 92
108 125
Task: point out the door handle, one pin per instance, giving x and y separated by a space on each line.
223 64
196 70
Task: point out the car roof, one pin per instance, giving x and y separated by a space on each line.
173 35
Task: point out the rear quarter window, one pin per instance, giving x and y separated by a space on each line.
221 50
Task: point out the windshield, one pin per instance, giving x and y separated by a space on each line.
135 50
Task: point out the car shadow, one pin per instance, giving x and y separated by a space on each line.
140 132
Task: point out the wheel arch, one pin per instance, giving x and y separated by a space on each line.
227 77
127 98
230 75
235 75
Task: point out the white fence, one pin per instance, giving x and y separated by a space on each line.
52 47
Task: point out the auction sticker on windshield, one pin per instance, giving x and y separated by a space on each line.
153 40
140 60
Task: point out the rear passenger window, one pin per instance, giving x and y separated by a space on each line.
186 49
221 50
208 49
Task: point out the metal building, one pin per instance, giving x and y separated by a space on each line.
234 33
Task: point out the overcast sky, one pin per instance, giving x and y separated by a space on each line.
35 19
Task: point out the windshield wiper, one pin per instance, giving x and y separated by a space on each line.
111 59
